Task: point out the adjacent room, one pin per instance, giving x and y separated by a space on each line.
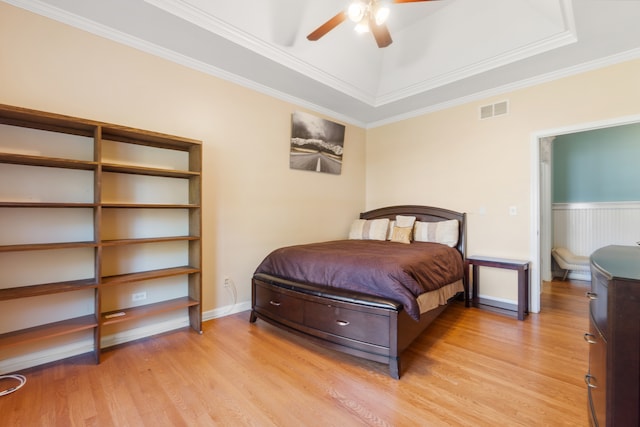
297 212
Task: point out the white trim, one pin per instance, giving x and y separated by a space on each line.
487 299
511 87
535 287
217 26
203 19
143 332
554 42
52 354
596 205
226 311
92 27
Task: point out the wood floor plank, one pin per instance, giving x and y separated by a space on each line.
471 367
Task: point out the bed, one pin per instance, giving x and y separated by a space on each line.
372 294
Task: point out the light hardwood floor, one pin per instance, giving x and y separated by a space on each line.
470 368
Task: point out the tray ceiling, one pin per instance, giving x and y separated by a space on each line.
443 52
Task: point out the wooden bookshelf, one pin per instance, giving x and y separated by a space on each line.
185 153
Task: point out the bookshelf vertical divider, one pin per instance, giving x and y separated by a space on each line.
97 237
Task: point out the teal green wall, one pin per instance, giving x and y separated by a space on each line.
597 166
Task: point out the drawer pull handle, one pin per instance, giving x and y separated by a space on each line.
276 303
342 322
592 295
590 338
587 380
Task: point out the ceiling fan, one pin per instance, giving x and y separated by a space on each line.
369 15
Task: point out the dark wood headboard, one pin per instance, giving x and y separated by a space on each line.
426 214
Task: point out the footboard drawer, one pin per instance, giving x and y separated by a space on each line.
278 304
347 323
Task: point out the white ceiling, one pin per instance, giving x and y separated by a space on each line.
444 52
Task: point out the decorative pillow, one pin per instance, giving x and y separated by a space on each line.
401 234
372 229
401 221
445 232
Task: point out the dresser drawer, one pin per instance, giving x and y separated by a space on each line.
597 378
277 304
348 323
598 299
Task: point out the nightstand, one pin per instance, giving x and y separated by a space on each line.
522 267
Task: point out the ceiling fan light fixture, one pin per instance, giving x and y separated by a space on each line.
381 14
357 11
362 27
369 16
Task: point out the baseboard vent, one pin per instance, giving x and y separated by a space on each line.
492 110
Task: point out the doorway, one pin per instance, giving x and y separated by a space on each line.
541 198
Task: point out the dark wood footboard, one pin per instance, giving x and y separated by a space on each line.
358 324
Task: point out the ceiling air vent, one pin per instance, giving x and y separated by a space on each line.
493 110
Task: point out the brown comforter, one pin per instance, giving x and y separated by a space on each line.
397 271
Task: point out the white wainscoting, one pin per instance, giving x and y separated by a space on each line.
584 227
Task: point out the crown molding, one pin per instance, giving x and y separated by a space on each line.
217 26
629 55
98 29
205 20
93 27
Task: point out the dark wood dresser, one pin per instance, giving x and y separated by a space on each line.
613 381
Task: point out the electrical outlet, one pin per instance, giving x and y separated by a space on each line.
513 210
139 296
227 282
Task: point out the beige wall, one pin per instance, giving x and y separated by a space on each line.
252 201
451 158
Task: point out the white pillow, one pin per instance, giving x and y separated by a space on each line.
402 221
372 229
445 232
405 221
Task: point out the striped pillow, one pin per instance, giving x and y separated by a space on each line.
445 232
372 229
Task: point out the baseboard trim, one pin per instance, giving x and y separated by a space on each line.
226 311
60 352
143 332
498 305
584 276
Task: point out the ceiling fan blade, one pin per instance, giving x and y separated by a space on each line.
380 32
327 26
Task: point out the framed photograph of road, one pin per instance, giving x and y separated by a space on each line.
316 144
